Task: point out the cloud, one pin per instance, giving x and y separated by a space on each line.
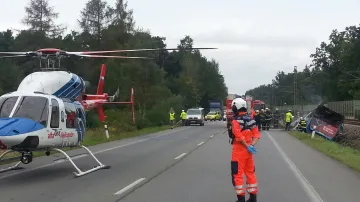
256 39
245 68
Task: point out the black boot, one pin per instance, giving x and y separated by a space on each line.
240 198
252 198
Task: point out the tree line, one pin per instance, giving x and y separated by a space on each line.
178 79
332 75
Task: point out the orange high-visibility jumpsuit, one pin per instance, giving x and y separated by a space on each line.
242 161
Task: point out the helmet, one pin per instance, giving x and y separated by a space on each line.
257 111
289 110
266 108
182 110
237 104
276 109
301 118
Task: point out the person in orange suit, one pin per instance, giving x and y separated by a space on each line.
245 135
253 114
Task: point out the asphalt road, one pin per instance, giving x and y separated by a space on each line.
184 164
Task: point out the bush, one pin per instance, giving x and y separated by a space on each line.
92 120
159 113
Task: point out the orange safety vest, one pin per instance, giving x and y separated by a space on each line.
253 114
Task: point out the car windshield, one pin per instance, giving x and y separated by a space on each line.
258 107
211 113
193 112
33 107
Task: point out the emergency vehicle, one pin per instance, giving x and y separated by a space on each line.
229 112
251 105
258 104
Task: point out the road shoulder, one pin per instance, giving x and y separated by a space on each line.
332 180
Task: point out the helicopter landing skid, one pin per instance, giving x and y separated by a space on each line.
14 167
79 172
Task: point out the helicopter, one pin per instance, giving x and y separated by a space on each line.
48 110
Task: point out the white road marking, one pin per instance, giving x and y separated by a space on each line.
200 143
212 136
129 186
131 143
181 155
308 188
98 152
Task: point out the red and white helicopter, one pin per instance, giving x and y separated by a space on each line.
47 112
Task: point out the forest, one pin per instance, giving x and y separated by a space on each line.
178 79
332 75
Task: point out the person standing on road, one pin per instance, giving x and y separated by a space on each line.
262 119
268 117
277 116
302 125
288 118
183 117
245 135
172 119
257 119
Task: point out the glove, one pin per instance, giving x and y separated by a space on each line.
251 149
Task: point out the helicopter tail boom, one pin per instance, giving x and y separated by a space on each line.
96 101
100 87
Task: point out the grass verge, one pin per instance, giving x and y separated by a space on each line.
94 137
346 155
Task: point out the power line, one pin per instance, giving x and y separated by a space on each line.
295 85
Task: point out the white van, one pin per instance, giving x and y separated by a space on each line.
195 116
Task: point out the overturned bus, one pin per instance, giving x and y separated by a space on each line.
325 122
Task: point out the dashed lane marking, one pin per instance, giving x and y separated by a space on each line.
180 156
121 191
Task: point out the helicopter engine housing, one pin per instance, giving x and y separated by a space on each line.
59 83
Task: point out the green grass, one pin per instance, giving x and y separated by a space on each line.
346 155
94 137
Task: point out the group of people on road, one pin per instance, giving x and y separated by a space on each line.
244 134
172 117
302 125
263 118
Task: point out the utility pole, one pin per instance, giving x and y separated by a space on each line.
295 87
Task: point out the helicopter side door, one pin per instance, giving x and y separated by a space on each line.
54 126
81 122
71 121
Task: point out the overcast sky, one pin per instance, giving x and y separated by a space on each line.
255 38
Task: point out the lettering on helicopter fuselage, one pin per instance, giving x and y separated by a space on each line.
52 135
3 146
66 135
60 134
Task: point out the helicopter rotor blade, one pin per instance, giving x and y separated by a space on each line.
112 56
13 56
133 50
14 53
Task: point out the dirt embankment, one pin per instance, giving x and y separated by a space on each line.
350 136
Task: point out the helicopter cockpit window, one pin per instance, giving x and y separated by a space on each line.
70 111
33 107
6 106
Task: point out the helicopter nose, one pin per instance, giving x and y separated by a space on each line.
17 126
